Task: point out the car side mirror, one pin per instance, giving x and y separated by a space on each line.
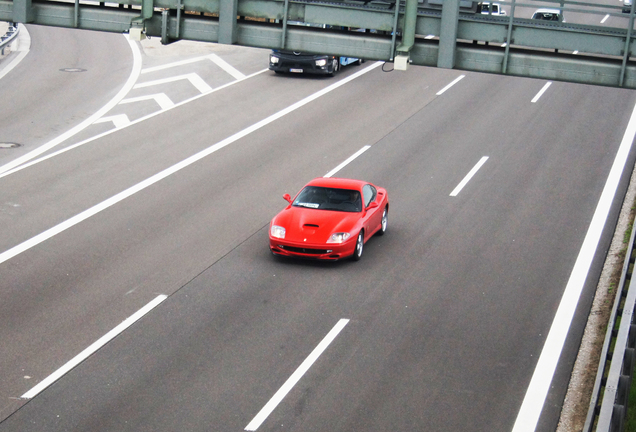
287 198
373 205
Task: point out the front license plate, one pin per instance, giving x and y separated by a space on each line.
296 70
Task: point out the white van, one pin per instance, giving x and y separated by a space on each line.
548 15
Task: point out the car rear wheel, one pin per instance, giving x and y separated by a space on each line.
357 253
385 221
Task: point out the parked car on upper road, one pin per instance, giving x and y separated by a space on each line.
548 15
487 8
627 6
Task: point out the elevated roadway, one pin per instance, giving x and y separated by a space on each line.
594 46
445 316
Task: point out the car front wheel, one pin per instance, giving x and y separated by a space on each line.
384 222
357 253
336 67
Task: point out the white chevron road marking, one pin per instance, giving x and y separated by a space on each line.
212 57
120 120
161 98
226 66
194 79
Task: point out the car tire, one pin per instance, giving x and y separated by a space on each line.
336 67
357 252
385 221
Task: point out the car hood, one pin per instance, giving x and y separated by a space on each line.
314 226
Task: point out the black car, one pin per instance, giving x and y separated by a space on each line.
295 62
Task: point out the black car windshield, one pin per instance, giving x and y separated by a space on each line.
322 198
547 16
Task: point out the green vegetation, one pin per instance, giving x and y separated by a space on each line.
630 421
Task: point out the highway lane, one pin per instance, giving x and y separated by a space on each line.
425 264
41 100
30 207
40 289
45 308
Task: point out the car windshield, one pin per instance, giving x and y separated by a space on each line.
322 198
546 16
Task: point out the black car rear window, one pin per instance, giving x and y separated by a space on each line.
322 198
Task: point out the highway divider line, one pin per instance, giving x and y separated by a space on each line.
469 176
93 347
537 391
348 161
134 74
16 250
296 376
538 95
455 81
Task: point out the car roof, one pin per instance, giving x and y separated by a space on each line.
339 183
554 11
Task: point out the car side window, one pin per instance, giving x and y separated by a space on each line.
368 193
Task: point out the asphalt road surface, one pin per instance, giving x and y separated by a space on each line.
438 328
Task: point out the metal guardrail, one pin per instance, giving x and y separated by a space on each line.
614 376
11 34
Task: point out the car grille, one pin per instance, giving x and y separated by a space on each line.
305 250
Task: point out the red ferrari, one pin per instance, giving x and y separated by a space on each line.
329 219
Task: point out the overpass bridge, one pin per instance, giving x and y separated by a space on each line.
594 45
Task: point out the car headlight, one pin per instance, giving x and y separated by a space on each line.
273 59
277 231
338 237
321 62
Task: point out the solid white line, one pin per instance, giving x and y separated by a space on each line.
538 95
470 175
348 161
134 74
94 347
16 250
537 392
295 377
605 19
451 84
139 120
226 66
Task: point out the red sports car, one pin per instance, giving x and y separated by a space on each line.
330 219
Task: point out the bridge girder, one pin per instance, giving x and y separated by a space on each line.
535 50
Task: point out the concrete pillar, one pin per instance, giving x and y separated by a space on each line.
448 34
22 11
228 33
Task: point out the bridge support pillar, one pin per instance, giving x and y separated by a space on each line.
448 34
402 57
22 11
137 26
228 31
